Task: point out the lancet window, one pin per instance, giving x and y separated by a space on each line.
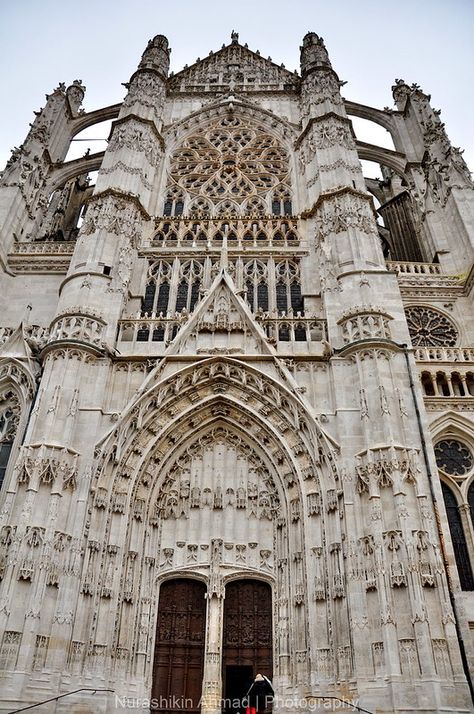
274 288
9 417
157 293
256 284
288 288
458 537
281 202
456 461
190 277
174 202
172 287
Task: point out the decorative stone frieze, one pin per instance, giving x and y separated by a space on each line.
114 213
365 322
342 211
378 468
47 464
77 328
137 136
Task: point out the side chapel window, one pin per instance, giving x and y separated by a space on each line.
456 461
8 424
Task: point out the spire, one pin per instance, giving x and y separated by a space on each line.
313 53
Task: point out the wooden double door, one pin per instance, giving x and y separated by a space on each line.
180 643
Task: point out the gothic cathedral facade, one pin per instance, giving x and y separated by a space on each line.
235 397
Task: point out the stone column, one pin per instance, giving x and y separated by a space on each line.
212 679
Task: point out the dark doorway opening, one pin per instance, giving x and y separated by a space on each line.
237 681
179 652
247 638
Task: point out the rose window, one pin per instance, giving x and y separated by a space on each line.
453 457
429 328
230 161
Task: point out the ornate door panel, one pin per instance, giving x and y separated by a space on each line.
179 651
247 635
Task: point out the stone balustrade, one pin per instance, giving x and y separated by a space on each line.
293 329
414 268
44 248
444 354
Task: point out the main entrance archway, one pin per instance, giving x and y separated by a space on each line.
179 651
247 638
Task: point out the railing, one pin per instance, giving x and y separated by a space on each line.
150 329
139 331
46 247
241 232
444 354
414 268
293 329
61 696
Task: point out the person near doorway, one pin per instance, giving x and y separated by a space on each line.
259 696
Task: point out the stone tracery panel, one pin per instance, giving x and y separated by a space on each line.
430 328
231 165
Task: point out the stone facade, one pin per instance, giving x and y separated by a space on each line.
229 371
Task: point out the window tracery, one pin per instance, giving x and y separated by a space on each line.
157 291
9 419
172 289
229 164
174 202
453 457
288 288
430 328
461 551
256 284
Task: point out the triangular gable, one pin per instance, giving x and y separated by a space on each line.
16 346
235 67
221 324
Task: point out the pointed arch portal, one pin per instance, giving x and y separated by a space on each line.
247 638
179 651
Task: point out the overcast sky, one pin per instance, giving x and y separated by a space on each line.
370 43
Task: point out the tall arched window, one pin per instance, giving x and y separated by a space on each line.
158 288
174 203
288 288
256 283
9 414
281 202
461 552
190 279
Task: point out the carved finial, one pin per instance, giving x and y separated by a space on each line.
313 52
75 93
157 54
234 36
400 91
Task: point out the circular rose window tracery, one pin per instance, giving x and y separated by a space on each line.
453 457
429 328
229 160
